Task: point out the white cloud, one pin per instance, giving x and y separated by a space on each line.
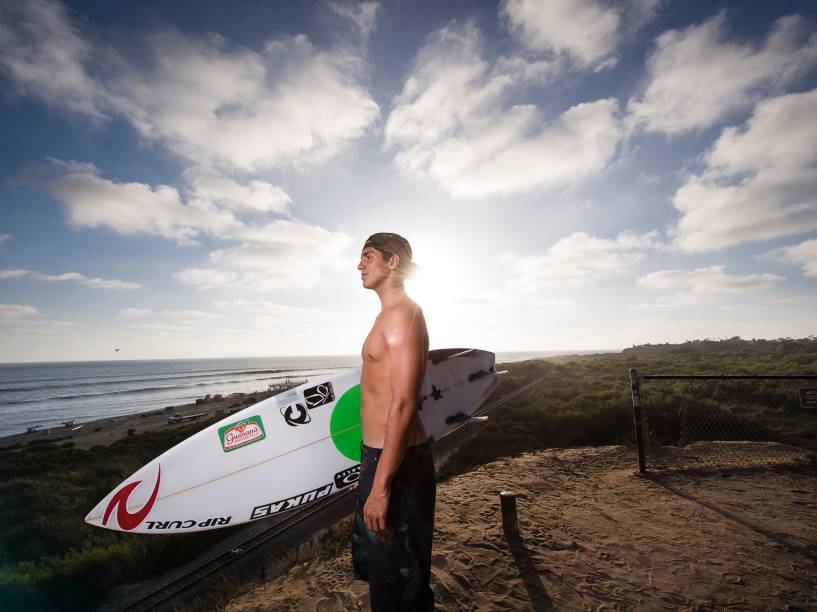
135 312
96 283
4 237
287 105
803 254
702 284
16 311
585 30
13 273
131 208
43 55
282 253
453 123
208 101
209 188
696 76
579 259
759 181
206 278
362 14
193 315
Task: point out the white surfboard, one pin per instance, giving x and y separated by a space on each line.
286 451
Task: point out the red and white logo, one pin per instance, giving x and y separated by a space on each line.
241 434
130 520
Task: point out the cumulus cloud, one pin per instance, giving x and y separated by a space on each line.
585 30
91 200
697 76
209 188
207 101
286 105
17 311
579 259
283 253
703 283
44 56
759 181
96 283
453 122
803 254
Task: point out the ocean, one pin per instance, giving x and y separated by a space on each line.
48 394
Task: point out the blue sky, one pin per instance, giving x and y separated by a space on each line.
196 179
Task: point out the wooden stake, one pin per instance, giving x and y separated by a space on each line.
509 521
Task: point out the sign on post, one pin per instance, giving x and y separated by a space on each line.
808 397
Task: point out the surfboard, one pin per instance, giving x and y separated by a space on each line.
291 449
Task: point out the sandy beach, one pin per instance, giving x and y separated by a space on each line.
108 430
595 535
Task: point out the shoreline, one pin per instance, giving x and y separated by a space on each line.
107 430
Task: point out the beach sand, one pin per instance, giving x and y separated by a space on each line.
595 535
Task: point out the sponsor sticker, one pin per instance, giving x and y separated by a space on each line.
295 414
290 503
241 433
319 395
347 477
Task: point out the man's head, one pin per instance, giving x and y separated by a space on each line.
385 255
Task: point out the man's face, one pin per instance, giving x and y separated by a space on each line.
374 267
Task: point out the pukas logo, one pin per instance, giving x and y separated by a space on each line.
130 520
241 433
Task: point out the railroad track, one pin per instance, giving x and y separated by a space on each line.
209 566
176 585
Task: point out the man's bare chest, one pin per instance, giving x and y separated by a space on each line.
374 348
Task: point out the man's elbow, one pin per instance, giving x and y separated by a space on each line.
403 408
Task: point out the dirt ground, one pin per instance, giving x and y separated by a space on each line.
595 535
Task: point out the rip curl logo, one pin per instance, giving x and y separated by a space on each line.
130 520
295 414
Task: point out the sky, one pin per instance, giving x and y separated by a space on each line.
196 179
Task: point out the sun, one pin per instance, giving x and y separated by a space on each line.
439 287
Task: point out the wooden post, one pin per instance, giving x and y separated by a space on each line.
639 438
509 521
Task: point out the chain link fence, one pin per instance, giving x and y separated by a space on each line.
718 422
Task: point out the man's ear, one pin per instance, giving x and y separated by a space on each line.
394 261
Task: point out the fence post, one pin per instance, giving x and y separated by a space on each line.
508 506
639 439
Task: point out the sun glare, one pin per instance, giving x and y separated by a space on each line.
438 288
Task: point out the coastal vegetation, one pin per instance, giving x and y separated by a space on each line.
586 400
51 559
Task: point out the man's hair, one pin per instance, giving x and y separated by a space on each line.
393 244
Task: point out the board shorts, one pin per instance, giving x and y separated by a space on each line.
398 567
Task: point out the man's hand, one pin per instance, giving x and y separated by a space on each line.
374 512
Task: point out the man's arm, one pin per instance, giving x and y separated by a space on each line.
404 332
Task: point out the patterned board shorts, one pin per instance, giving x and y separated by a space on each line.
398 567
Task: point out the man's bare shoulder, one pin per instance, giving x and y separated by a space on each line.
407 315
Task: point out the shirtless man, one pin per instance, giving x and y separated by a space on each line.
394 520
